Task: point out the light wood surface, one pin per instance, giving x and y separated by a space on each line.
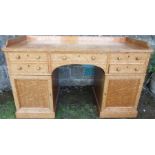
33 62
127 68
82 43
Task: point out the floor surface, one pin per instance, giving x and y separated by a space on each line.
78 103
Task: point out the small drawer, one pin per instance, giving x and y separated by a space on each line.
127 69
128 58
27 57
80 58
28 68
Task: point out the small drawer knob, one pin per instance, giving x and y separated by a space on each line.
38 68
136 69
118 58
18 57
137 58
20 68
38 57
64 58
93 57
118 69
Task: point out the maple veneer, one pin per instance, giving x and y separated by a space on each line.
31 61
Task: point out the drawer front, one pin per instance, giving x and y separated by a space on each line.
127 69
29 68
128 58
80 58
28 57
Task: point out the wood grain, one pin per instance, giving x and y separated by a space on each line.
33 62
122 92
77 44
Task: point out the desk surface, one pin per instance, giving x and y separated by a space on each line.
76 43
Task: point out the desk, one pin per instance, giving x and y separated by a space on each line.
31 61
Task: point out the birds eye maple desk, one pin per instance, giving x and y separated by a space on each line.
31 61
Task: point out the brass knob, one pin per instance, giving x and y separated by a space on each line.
118 58
38 68
38 57
18 57
93 57
118 69
19 68
64 57
136 69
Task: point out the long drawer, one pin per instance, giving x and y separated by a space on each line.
28 68
127 69
22 57
80 58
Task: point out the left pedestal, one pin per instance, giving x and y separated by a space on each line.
33 96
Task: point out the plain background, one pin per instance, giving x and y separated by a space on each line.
78 137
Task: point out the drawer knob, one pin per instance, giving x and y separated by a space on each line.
64 58
137 58
18 57
136 69
118 69
38 57
19 68
118 58
38 68
93 57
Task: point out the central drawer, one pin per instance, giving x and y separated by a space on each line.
28 68
80 58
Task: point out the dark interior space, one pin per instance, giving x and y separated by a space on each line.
78 101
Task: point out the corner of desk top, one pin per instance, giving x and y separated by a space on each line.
13 41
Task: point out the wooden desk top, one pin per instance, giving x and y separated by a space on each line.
76 43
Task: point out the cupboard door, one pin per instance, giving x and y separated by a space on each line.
34 94
123 91
121 95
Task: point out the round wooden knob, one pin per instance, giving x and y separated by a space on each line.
137 58
38 68
93 57
38 57
20 68
118 58
64 57
118 69
136 69
18 57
